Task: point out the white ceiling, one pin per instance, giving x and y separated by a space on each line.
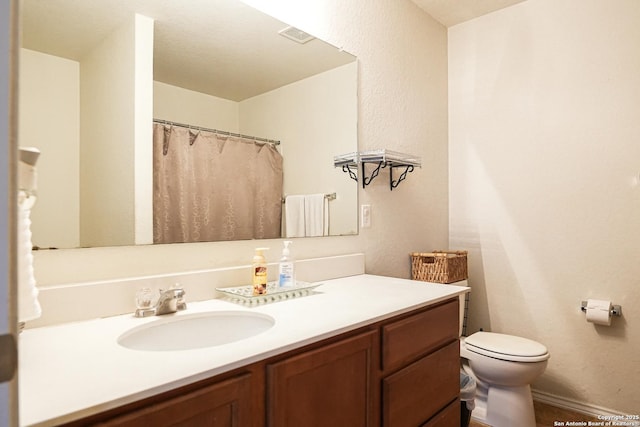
452 12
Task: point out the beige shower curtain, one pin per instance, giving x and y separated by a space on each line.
211 187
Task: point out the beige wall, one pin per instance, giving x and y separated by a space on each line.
544 164
49 120
402 105
189 107
142 132
107 132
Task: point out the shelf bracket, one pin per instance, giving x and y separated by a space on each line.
367 180
393 184
348 169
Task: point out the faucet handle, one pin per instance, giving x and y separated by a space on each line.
180 293
144 303
144 298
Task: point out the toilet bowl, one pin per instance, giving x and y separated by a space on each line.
504 367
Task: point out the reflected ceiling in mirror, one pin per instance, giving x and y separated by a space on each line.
222 49
219 47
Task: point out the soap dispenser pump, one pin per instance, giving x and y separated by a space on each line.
286 270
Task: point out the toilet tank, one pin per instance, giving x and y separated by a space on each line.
464 300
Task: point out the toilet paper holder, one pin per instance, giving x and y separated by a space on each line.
616 310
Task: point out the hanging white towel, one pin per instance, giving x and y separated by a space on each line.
325 207
28 305
294 216
315 215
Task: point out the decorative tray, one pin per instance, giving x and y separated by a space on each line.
244 294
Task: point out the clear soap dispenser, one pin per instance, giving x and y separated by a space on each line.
286 269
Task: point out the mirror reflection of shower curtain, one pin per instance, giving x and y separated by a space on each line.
210 187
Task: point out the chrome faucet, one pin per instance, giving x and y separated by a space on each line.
170 301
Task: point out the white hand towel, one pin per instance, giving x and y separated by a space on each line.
28 305
314 210
294 216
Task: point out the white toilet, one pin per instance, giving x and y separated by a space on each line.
503 366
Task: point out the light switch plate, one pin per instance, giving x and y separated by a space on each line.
365 216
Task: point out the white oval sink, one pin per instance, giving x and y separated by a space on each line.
198 330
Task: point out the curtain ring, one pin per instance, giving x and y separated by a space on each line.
193 136
165 142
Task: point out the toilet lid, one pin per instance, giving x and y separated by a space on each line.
506 347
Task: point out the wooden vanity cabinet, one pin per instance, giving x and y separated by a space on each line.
399 372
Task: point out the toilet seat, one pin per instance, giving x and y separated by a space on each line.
506 347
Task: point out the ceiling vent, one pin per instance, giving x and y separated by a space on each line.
292 33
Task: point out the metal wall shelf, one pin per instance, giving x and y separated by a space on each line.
355 162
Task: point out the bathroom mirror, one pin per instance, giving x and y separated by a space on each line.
212 62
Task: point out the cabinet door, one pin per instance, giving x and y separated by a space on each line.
226 403
329 386
414 394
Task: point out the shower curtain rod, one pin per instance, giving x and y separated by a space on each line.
221 132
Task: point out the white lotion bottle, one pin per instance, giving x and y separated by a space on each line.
286 269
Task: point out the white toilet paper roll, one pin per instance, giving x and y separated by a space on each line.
599 312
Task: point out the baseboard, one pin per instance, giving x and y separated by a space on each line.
572 405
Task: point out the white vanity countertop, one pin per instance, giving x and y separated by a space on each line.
77 369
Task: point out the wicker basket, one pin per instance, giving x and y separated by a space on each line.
439 266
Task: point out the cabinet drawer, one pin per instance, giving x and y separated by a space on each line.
448 417
416 393
407 339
